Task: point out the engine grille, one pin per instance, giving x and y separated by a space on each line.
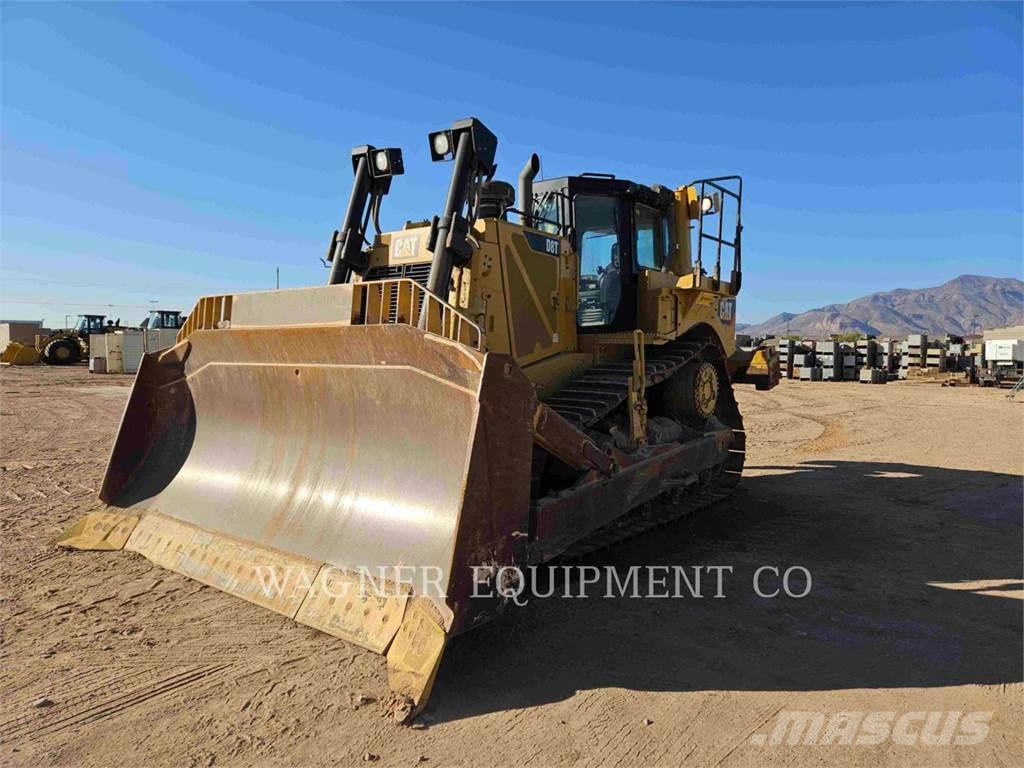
417 272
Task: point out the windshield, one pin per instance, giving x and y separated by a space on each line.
87 324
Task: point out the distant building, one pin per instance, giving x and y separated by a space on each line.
1013 333
22 331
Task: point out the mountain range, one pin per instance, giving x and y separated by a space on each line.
964 305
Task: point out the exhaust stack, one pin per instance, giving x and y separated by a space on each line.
526 177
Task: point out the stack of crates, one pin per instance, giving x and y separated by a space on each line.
914 355
889 356
956 353
873 376
867 353
935 359
811 373
803 357
955 356
830 355
786 356
849 362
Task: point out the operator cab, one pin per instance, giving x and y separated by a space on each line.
618 228
90 324
163 318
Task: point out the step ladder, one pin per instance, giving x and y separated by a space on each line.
1016 388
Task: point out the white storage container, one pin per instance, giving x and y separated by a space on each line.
132 348
97 345
115 352
1004 351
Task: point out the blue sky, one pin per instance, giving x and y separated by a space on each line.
160 152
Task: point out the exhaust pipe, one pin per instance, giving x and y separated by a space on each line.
526 177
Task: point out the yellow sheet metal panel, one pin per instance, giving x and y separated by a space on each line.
19 354
415 654
295 306
268 578
355 606
99 530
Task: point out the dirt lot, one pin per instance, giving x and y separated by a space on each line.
904 501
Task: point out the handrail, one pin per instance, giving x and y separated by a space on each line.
719 239
401 301
208 313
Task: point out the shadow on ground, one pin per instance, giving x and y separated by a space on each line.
914 574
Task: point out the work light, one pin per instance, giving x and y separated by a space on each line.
710 204
440 145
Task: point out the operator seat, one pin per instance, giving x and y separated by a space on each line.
611 286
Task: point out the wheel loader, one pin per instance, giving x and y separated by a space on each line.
70 345
494 387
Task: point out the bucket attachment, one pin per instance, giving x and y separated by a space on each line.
348 476
16 353
756 365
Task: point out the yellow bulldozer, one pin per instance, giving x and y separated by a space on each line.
494 387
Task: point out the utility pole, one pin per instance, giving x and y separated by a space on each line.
277 277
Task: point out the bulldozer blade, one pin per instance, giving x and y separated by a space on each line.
303 467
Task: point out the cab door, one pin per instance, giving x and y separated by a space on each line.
657 303
606 299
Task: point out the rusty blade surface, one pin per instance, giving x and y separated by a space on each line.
344 445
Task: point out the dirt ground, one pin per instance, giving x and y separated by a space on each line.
904 502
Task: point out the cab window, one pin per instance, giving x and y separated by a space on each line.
549 215
651 237
597 231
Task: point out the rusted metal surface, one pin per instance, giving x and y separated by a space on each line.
237 567
366 447
558 437
570 516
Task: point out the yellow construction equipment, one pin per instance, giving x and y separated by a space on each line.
19 354
464 395
71 345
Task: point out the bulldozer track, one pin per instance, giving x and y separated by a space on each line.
695 493
605 387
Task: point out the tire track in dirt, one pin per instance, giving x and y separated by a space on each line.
98 703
